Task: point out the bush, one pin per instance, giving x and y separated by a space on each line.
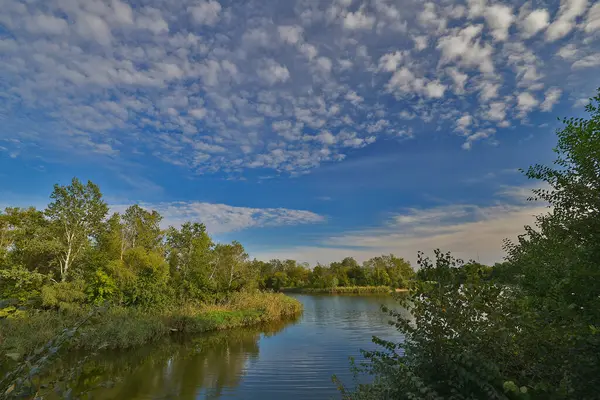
64 295
458 340
101 288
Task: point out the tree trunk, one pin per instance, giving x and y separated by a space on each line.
231 275
66 264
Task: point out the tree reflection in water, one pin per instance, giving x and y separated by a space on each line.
200 367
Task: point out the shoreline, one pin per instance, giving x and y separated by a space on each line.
345 290
122 327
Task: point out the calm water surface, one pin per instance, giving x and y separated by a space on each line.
292 360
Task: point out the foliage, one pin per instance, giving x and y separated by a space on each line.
24 380
27 240
141 228
385 271
448 327
20 284
123 327
101 288
190 259
76 213
523 329
64 295
558 259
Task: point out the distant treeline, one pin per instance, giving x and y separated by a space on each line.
378 274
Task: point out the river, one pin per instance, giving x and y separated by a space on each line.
288 360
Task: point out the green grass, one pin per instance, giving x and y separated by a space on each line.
120 327
341 290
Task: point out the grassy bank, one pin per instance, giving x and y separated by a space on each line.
119 328
341 290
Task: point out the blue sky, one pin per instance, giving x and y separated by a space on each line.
304 129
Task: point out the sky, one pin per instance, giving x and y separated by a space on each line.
306 129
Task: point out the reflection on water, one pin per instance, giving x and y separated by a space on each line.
287 360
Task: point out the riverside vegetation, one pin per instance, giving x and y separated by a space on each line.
60 264
527 329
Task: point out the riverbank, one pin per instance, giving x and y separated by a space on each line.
121 327
342 290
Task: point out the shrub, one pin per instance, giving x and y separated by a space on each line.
458 340
64 295
101 288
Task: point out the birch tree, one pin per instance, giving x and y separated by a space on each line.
231 267
141 228
76 213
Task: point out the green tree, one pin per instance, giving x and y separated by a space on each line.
541 316
141 228
448 328
27 240
110 239
190 257
149 287
557 260
231 269
76 213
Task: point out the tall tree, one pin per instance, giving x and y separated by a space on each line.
110 239
190 257
27 239
231 269
141 228
76 213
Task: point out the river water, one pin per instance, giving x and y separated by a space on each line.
288 360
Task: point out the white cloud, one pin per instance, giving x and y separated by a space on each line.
123 12
565 19
429 18
353 97
463 122
435 89
47 24
358 20
468 231
499 17
223 218
526 102
389 62
552 97
308 50
324 64
592 23
92 27
534 22
567 52
459 78
590 61
198 113
488 90
483 134
273 72
464 47
167 80
291 34
421 42
476 8
207 12
496 111
326 137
